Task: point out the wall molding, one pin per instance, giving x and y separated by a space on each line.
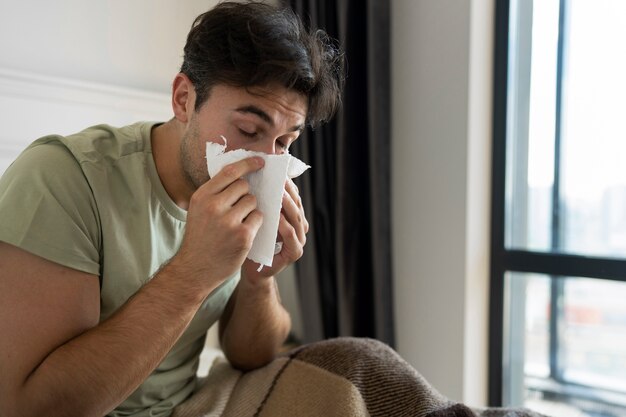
34 105
41 87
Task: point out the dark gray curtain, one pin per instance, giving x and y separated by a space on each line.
344 277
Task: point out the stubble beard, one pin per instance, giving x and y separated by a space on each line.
195 171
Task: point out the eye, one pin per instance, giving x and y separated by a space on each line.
248 134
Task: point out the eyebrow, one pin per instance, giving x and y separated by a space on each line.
252 109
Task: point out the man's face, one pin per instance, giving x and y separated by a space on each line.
263 119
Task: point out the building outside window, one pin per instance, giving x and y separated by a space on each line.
558 309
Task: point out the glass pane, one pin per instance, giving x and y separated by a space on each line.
527 334
586 214
594 135
565 345
537 326
531 123
594 333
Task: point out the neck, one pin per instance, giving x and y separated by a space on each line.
166 152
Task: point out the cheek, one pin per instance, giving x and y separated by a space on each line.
188 148
233 140
192 158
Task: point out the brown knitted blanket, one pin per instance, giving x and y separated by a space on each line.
338 377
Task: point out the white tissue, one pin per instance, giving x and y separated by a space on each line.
267 185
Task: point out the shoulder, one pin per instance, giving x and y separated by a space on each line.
94 144
45 160
97 147
103 143
47 207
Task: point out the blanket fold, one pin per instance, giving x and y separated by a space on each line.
341 377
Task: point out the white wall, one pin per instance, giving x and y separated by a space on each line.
441 81
69 64
134 44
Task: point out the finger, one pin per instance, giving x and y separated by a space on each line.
292 246
232 172
294 215
254 220
234 192
293 191
242 208
221 203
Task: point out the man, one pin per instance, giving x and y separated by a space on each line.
118 252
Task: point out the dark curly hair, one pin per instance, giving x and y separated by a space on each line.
254 44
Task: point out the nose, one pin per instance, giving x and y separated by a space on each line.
267 146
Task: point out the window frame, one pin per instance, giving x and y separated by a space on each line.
503 260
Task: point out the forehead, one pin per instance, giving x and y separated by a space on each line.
277 101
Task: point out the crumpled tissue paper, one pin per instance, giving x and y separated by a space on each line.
267 185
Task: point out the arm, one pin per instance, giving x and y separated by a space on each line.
56 359
255 324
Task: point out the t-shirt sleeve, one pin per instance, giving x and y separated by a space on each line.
47 208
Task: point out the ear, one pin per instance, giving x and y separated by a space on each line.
183 97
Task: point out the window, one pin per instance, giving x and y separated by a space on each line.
558 292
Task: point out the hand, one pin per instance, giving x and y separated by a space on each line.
222 222
292 229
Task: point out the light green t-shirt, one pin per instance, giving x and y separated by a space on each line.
94 202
